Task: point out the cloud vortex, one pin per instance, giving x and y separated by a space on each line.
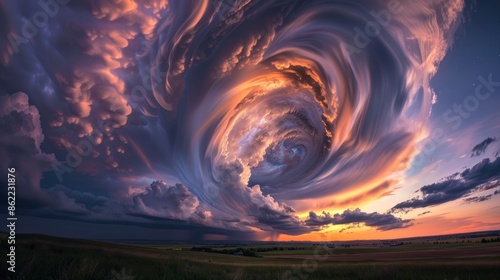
252 105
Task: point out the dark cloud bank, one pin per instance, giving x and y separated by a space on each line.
482 176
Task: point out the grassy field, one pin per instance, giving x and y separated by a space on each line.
43 257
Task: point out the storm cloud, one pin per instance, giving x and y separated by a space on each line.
21 136
218 113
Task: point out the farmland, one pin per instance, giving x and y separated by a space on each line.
44 257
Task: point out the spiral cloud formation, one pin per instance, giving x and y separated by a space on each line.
232 114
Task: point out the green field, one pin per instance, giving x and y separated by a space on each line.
42 257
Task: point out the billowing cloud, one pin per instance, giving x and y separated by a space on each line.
480 148
21 136
376 220
482 176
160 200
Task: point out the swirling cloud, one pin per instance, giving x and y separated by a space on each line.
249 106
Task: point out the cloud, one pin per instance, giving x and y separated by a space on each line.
476 199
174 202
64 204
424 213
355 225
73 202
281 220
21 137
480 148
376 220
480 177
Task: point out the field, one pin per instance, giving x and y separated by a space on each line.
43 257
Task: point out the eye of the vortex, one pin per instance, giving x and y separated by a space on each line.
277 138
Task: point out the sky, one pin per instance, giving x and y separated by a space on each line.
251 120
